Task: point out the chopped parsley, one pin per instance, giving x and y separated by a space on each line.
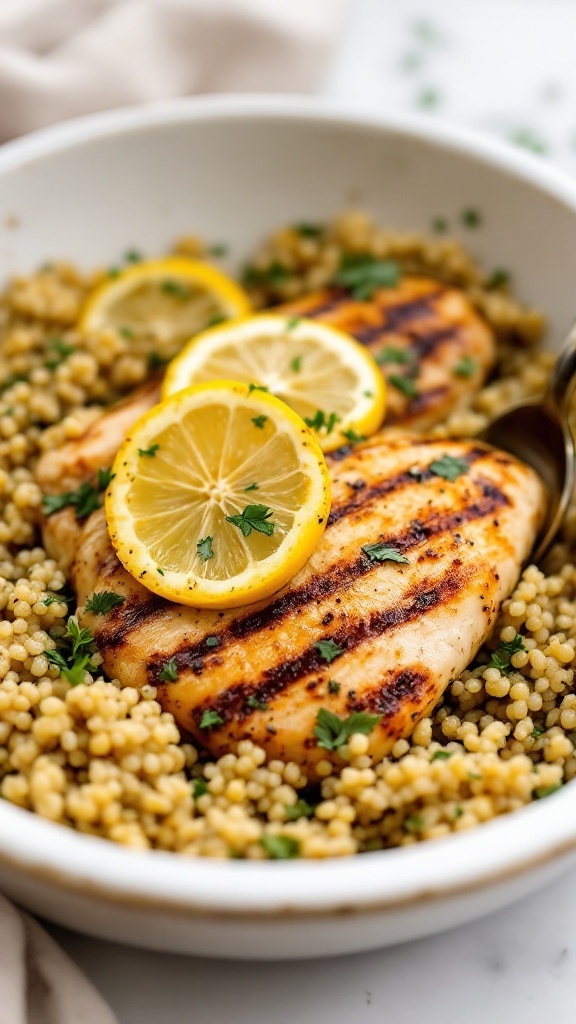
281 847
254 517
465 367
301 809
259 421
458 812
363 275
293 322
176 289
210 719
322 421
384 553
215 320
537 731
85 500
254 704
169 672
257 387
391 354
527 138
104 601
498 278
158 569
62 351
133 256
53 599
219 249
544 791
73 654
251 487
334 686
503 656
151 451
332 732
353 437
440 225
296 364
328 650
471 218
204 548
415 823
156 361
308 230
428 98
272 275
448 467
404 384
441 755
199 787
128 334
212 641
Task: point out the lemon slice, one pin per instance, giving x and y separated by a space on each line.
326 376
219 496
164 302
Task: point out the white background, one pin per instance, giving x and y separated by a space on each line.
507 67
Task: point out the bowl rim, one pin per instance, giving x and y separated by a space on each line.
388 880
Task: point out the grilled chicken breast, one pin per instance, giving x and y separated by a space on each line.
394 632
434 348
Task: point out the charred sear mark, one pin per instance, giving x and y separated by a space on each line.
420 403
339 577
128 617
369 494
394 692
231 703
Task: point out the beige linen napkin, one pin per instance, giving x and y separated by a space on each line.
38 983
62 58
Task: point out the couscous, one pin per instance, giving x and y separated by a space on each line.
108 761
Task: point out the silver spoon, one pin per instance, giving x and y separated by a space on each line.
537 432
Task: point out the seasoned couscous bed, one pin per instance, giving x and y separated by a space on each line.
108 761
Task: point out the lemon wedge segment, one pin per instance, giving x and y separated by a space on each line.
164 302
219 495
326 376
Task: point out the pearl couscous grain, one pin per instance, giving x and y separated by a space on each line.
108 761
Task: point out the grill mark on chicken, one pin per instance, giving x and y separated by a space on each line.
331 581
394 691
232 702
420 402
365 496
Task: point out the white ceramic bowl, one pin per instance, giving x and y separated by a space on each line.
230 170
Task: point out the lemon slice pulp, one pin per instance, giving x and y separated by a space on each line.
218 497
326 376
163 301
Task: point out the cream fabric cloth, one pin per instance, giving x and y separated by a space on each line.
63 58
38 983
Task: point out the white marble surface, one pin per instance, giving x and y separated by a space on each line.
505 66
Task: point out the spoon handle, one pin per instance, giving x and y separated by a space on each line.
563 379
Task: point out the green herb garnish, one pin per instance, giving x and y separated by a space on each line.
257 387
544 791
471 218
308 230
252 487
465 367
272 275
501 658
212 641
498 278
204 548
102 602
253 517
328 650
210 719
441 755
151 451
415 823
73 654
391 354
63 351
200 787
169 672
353 437
537 731
448 467
85 500
156 361
296 364
301 809
53 599
404 384
176 289
281 847
259 421
363 275
334 686
219 249
527 138
255 704
133 256
322 421
428 98
440 225
384 553
293 322
128 334
332 732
